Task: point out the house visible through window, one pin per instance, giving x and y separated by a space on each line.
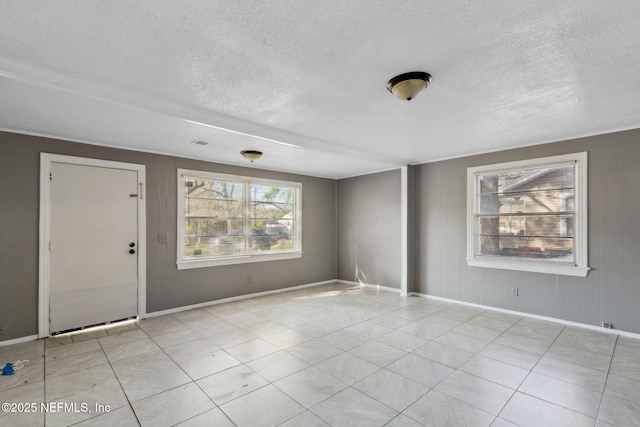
227 219
529 215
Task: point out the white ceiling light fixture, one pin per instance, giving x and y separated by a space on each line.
251 154
406 86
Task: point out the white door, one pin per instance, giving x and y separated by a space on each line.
94 245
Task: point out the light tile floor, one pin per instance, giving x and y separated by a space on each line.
333 355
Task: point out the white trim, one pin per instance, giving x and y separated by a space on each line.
532 266
532 316
20 340
369 285
241 259
531 163
44 273
246 181
580 268
373 172
238 298
46 159
346 282
565 138
165 153
581 225
404 230
239 178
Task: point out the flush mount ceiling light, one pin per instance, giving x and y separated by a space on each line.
406 86
251 154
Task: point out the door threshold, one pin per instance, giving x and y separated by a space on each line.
111 323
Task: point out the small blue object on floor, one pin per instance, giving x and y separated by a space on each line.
8 369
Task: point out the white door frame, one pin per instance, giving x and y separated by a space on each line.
46 159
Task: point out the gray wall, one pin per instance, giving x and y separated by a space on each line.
369 226
368 229
166 286
611 291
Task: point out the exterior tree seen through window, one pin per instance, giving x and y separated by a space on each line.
226 216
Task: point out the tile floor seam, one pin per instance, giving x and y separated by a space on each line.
489 380
135 414
125 395
460 401
470 404
182 369
538 361
529 374
349 387
597 416
555 404
399 412
214 403
151 395
193 381
604 389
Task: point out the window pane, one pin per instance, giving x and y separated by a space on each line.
226 215
524 180
213 216
546 233
284 233
527 213
260 240
229 243
272 202
272 218
529 225
210 237
527 202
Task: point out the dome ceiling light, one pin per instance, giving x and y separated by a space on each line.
251 154
406 86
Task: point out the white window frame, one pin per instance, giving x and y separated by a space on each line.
580 267
212 261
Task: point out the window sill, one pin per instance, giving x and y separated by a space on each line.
239 259
530 266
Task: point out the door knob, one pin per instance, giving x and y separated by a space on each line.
132 251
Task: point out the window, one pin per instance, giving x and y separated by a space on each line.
529 215
228 219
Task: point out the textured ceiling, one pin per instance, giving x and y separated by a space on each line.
304 81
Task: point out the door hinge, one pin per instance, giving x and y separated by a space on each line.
49 245
50 176
140 191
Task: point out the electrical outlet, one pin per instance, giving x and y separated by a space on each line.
514 291
3 329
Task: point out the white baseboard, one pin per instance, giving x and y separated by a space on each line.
231 299
367 285
19 340
532 316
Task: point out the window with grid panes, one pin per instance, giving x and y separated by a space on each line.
228 219
529 215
